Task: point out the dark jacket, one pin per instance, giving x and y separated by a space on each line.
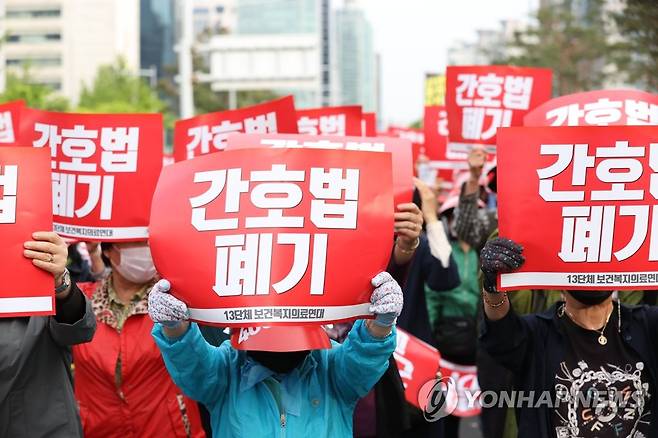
532 347
423 269
36 393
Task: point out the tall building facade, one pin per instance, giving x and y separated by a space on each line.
212 17
356 58
65 41
157 37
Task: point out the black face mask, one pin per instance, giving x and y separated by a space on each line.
281 363
590 298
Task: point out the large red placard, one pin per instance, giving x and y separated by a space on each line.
25 207
597 108
207 133
481 99
399 149
582 202
10 114
267 236
105 168
336 120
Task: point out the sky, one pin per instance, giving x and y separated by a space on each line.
412 37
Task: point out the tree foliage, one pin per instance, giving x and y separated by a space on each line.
22 86
637 51
116 89
570 37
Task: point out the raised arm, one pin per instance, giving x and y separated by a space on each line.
199 369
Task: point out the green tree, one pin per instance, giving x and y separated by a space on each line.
116 89
573 41
39 96
637 51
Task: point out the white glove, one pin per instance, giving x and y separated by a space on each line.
386 299
164 307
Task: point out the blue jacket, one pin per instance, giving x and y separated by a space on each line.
316 399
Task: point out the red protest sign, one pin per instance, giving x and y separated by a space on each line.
369 124
415 136
10 113
25 207
267 238
480 99
463 396
400 152
280 338
597 108
418 364
581 201
105 168
207 133
336 120
435 127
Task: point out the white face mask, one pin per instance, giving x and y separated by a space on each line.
136 264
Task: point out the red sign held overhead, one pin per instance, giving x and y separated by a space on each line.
582 202
369 125
25 207
597 108
337 120
435 126
105 168
10 113
481 99
267 238
207 133
400 152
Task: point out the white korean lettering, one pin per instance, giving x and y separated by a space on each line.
78 144
280 183
330 186
119 149
9 184
261 124
333 124
603 112
587 233
565 153
218 179
50 137
308 125
6 128
517 92
619 157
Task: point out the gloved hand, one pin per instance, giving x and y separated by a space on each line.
386 299
164 307
499 255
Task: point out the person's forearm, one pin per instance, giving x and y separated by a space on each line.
176 331
438 242
471 186
496 306
402 257
69 306
97 265
376 330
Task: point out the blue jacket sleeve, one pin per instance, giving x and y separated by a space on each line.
200 370
359 362
434 274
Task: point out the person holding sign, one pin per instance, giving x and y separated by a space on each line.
590 362
122 385
36 395
314 392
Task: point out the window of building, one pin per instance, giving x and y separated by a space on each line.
37 61
34 37
33 13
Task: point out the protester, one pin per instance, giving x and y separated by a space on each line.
122 385
596 359
85 262
36 393
315 391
